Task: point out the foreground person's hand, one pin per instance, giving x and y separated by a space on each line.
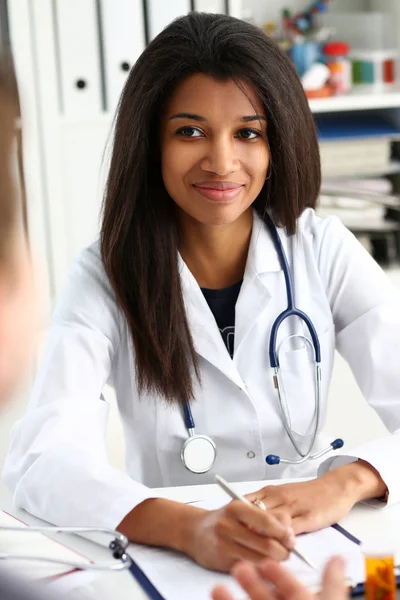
271 581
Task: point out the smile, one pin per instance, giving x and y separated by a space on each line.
219 191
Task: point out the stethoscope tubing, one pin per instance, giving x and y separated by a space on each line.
117 546
290 311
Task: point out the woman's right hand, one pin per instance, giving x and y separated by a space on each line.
239 531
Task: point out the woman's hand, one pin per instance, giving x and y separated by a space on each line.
216 539
238 531
256 582
312 505
323 501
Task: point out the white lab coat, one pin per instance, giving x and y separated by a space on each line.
57 463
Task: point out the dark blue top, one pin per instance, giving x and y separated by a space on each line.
222 305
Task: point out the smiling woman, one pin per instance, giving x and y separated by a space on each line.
214 162
214 146
208 236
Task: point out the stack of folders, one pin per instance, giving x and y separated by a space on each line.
167 575
355 144
350 206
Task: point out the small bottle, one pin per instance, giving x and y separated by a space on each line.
270 29
339 64
380 583
287 29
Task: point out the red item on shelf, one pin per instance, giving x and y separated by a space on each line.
336 58
336 49
323 92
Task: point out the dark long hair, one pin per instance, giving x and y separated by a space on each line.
139 239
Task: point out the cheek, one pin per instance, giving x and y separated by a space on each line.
256 163
176 161
253 156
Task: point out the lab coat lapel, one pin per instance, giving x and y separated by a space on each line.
254 295
207 338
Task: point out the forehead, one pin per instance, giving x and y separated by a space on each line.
202 94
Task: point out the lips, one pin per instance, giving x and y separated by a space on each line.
218 191
218 185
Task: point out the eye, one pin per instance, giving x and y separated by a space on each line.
248 134
189 132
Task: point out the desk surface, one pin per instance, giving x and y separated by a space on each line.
365 522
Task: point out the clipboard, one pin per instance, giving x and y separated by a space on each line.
144 582
154 594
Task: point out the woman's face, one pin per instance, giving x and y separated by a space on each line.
214 149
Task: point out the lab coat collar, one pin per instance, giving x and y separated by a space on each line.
262 256
253 299
255 295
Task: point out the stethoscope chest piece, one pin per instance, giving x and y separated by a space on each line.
198 453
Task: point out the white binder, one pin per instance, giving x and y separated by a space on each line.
210 6
160 14
235 8
79 55
124 40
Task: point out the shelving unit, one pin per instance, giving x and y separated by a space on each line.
357 100
392 169
64 154
384 235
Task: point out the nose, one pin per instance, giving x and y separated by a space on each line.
220 157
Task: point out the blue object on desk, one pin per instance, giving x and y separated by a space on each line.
333 127
144 582
359 590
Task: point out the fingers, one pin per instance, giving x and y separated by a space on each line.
242 552
221 593
261 546
252 583
288 587
233 552
264 522
333 580
239 543
270 495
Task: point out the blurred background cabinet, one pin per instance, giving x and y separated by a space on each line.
72 58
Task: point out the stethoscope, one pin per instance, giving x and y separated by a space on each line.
199 452
117 547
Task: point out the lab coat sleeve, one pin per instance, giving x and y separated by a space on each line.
366 312
57 463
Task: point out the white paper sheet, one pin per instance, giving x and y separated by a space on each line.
176 577
35 544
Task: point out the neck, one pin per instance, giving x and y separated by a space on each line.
215 254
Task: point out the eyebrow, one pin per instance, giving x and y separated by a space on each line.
200 119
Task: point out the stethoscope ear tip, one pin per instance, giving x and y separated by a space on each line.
338 443
272 459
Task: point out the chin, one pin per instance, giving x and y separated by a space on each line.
220 215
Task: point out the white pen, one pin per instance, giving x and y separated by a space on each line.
236 496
